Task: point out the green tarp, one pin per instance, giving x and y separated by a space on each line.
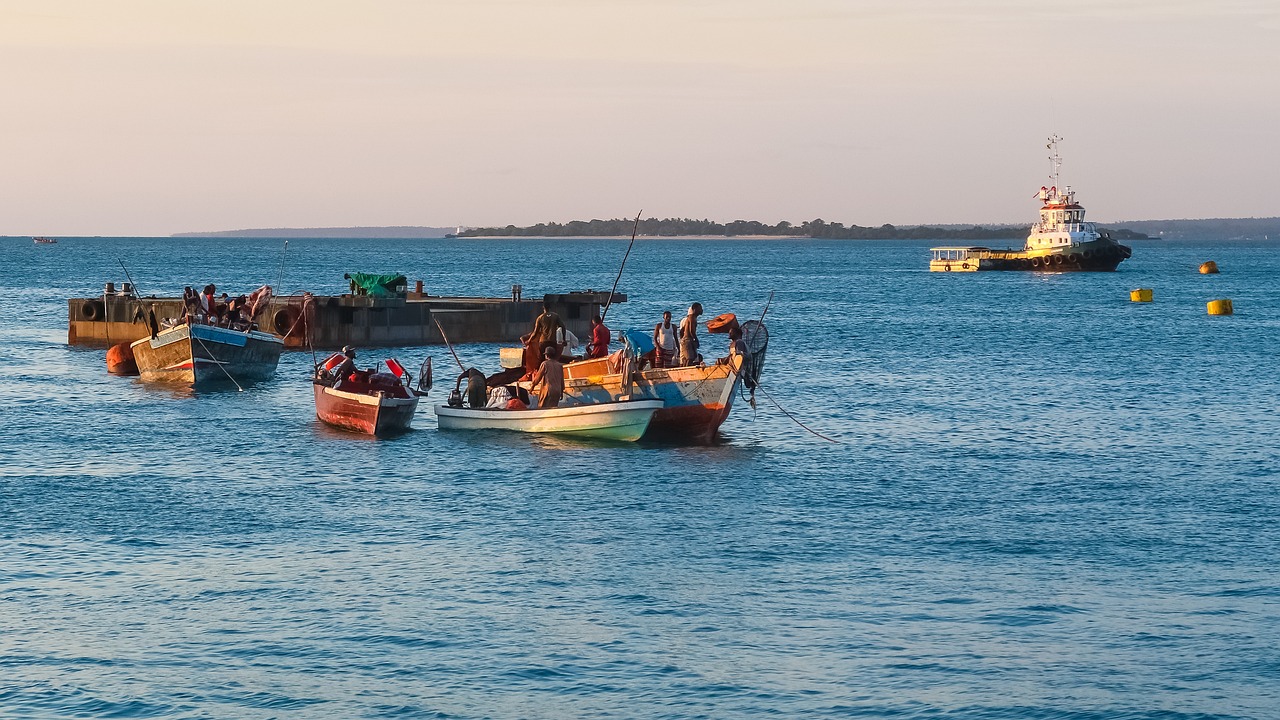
375 285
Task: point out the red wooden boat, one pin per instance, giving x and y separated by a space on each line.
367 401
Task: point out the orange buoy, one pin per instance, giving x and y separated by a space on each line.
722 323
1209 268
1220 307
120 360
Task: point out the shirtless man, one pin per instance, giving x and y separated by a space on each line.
689 336
550 376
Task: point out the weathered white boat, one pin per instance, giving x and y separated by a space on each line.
622 420
197 354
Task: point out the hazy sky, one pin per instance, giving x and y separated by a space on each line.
157 116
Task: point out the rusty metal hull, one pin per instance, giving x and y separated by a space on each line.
206 354
371 414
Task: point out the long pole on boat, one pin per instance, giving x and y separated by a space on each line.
634 229
447 343
280 277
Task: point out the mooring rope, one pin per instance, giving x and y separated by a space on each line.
216 361
794 418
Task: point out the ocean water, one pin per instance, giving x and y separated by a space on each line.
1045 502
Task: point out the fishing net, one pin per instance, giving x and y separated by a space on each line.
756 337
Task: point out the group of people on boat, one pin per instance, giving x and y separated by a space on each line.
236 313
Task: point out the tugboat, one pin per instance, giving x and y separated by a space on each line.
1060 242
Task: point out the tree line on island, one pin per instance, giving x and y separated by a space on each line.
679 227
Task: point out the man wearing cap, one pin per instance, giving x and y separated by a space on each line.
347 366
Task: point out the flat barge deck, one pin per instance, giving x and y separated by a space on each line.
331 321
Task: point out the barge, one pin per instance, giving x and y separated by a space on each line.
332 321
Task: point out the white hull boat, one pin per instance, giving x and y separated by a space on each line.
623 420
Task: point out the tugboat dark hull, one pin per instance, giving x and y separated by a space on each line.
1101 256
1104 259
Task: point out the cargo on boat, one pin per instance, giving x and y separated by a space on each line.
401 319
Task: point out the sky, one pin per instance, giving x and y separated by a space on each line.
150 117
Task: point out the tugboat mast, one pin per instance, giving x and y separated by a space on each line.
1055 160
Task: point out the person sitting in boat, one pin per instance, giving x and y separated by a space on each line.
600 337
736 346
345 368
550 376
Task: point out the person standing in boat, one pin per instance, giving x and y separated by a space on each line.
600 337
550 376
689 336
548 329
664 342
208 304
190 305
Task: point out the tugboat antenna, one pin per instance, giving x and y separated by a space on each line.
1055 160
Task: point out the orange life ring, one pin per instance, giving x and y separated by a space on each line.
334 361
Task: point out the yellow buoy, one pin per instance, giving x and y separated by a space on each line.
1140 295
1209 268
1220 307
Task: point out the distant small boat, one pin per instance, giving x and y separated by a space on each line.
44 241
198 354
624 420
372 403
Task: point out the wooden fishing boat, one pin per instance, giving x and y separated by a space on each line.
200 354
44 241
695 400
372 403
624 420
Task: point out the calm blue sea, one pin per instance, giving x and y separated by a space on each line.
1046 502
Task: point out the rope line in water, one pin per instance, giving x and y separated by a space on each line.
794 418
216 361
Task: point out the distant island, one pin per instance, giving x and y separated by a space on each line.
1211 228
682 227
409 232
